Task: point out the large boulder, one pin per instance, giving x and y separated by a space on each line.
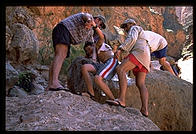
64 111
24 47
29 80
170 98
18 14
11 76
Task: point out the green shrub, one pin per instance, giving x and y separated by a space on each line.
25 80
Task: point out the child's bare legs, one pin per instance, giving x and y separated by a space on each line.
99 81
86 69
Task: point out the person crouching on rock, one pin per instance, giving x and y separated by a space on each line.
103 67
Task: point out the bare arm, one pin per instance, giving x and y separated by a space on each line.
101 38
99 42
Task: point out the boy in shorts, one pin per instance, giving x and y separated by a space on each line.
103 67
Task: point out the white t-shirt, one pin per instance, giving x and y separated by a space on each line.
104 47
156 41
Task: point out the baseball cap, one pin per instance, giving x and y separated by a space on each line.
127 21
103 20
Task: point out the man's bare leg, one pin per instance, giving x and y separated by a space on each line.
140 83
166 65
122 69
99 81
60 54
86 69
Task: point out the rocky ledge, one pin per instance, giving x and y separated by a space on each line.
64 111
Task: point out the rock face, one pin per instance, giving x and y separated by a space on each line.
48 17
20 15
171 22
64 111
184 18
22 46
11 77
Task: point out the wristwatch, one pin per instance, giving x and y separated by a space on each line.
94 27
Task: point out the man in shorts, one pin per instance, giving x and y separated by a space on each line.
158 46
138 60
74 29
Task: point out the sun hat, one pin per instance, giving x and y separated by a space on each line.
103 20
127 21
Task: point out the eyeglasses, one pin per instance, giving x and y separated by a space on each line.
101 25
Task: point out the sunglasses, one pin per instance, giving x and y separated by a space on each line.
101 22
101 25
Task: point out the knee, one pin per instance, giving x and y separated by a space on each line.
60 56
63 55
163 61
141 85
98 78
119 70
83 69
61 51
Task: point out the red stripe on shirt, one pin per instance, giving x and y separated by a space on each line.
108 68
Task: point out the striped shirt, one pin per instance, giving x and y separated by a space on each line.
76 26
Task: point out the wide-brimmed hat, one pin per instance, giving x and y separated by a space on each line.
127 21
103 20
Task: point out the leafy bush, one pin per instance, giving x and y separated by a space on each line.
25 81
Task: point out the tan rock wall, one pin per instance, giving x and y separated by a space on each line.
47 17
